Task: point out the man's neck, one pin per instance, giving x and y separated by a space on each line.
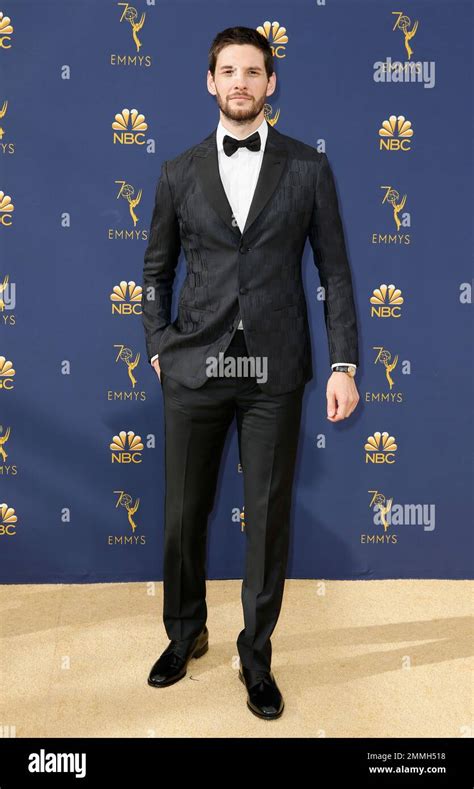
241 130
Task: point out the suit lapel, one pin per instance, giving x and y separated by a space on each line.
207 171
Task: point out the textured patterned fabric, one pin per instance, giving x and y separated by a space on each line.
257 272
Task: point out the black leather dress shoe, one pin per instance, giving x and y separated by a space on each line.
171 666
263 696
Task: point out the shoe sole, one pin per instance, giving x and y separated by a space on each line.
197 654
257 714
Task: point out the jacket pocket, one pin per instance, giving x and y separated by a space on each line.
192 308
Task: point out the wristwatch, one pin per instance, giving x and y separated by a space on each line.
344 368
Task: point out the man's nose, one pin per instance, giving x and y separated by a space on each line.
240 85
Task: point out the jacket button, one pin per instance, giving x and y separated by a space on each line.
242 250
243 290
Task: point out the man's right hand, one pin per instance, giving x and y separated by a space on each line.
156 366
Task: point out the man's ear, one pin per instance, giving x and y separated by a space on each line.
210 83
271 84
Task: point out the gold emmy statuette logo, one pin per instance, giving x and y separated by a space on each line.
6 30
6 209
395 134
267 112
3 440
3 112
276 37
393 197
8 520
384 507
403 23
6 374
386 302
380 448
242 519
126 447
125 500
126 298
408 70
130 15
127 191
125 355
384 357
3 286
131 125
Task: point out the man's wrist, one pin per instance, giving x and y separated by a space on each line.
344 367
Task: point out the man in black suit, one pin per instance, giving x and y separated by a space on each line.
240 204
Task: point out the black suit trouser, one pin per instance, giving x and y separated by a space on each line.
196 425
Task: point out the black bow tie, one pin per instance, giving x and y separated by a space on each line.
231 144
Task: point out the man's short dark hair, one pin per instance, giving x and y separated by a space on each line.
241 35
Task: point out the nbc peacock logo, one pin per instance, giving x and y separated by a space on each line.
386 302
8 520
128 127
126 447
126 298
395 134
276 36
6 210
6 31
380 448
7 374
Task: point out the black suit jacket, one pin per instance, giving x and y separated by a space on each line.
255 275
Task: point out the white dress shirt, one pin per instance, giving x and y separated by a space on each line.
239 174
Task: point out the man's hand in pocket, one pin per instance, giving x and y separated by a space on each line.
156 365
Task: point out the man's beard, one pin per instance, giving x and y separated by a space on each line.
247 112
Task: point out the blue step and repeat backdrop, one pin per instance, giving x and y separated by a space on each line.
93 97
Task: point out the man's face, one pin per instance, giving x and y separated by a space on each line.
240 83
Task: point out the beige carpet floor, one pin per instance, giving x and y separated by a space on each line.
352 659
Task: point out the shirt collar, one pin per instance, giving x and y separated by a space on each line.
222 131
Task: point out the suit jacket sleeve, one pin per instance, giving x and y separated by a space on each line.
326 237
160 261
